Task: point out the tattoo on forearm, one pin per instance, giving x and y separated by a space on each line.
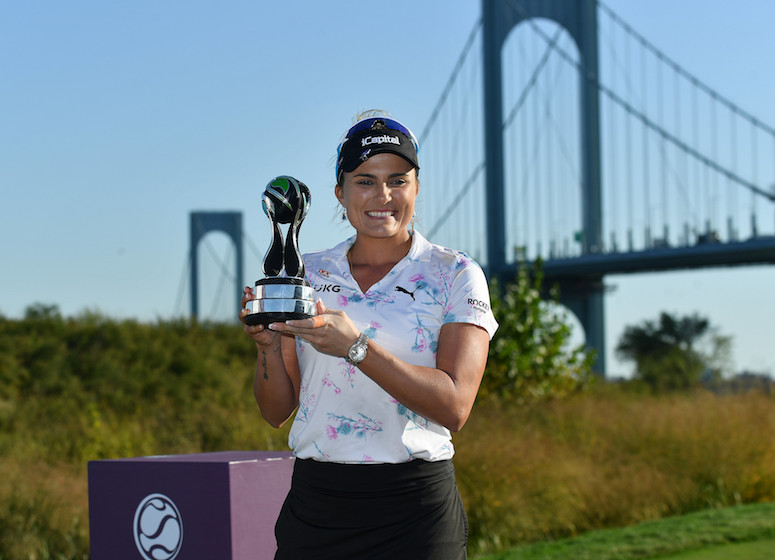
263 364
264 368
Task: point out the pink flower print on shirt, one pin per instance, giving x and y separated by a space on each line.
348 372
327 382
306 403
371 332
424 338
420 340
376 299
462 261
361 427
321 452
300 345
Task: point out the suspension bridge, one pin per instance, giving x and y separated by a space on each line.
565 135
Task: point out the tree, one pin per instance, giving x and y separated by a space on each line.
674 353
531 357
42 312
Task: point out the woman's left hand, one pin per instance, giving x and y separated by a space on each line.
331 331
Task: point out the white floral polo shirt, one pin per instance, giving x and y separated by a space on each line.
343 415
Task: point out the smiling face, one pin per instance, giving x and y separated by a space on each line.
379 196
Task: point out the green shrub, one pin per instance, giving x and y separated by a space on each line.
531 357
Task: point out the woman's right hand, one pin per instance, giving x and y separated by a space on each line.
276 382
258 333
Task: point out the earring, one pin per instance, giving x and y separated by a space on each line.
414 216
344 214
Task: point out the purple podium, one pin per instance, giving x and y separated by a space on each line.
208 506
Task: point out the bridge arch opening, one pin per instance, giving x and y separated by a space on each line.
201 224
541 142
217 256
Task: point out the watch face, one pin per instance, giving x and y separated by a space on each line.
358 351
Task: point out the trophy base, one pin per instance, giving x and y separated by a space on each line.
280 299
266 319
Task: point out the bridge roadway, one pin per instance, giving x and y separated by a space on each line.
581 279
757 250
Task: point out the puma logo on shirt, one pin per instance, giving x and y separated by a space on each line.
404 290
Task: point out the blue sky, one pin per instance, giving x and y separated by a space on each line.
120 118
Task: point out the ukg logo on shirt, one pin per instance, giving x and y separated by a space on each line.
336 288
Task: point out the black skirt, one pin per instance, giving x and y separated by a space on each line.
340 511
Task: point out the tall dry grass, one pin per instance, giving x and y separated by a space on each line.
609 459
526 473
44 512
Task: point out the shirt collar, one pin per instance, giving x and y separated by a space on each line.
418 252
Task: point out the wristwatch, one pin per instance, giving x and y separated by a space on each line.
357 351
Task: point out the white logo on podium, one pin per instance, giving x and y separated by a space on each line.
158 528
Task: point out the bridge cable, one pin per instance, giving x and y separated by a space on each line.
450 82
221 264
225 274
656 127
218 292
512 115
463 191
532 81
252 245
685 73
612 169
178 309
445 96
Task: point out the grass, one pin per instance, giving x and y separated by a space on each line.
44 512
75 390
603 460
759 550
527 474
731 533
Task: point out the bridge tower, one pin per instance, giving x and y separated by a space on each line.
583 296
203 223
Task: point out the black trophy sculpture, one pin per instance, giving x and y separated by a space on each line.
277 299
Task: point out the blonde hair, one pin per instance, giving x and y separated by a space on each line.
370 113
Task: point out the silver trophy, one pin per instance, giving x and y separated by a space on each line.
277 299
